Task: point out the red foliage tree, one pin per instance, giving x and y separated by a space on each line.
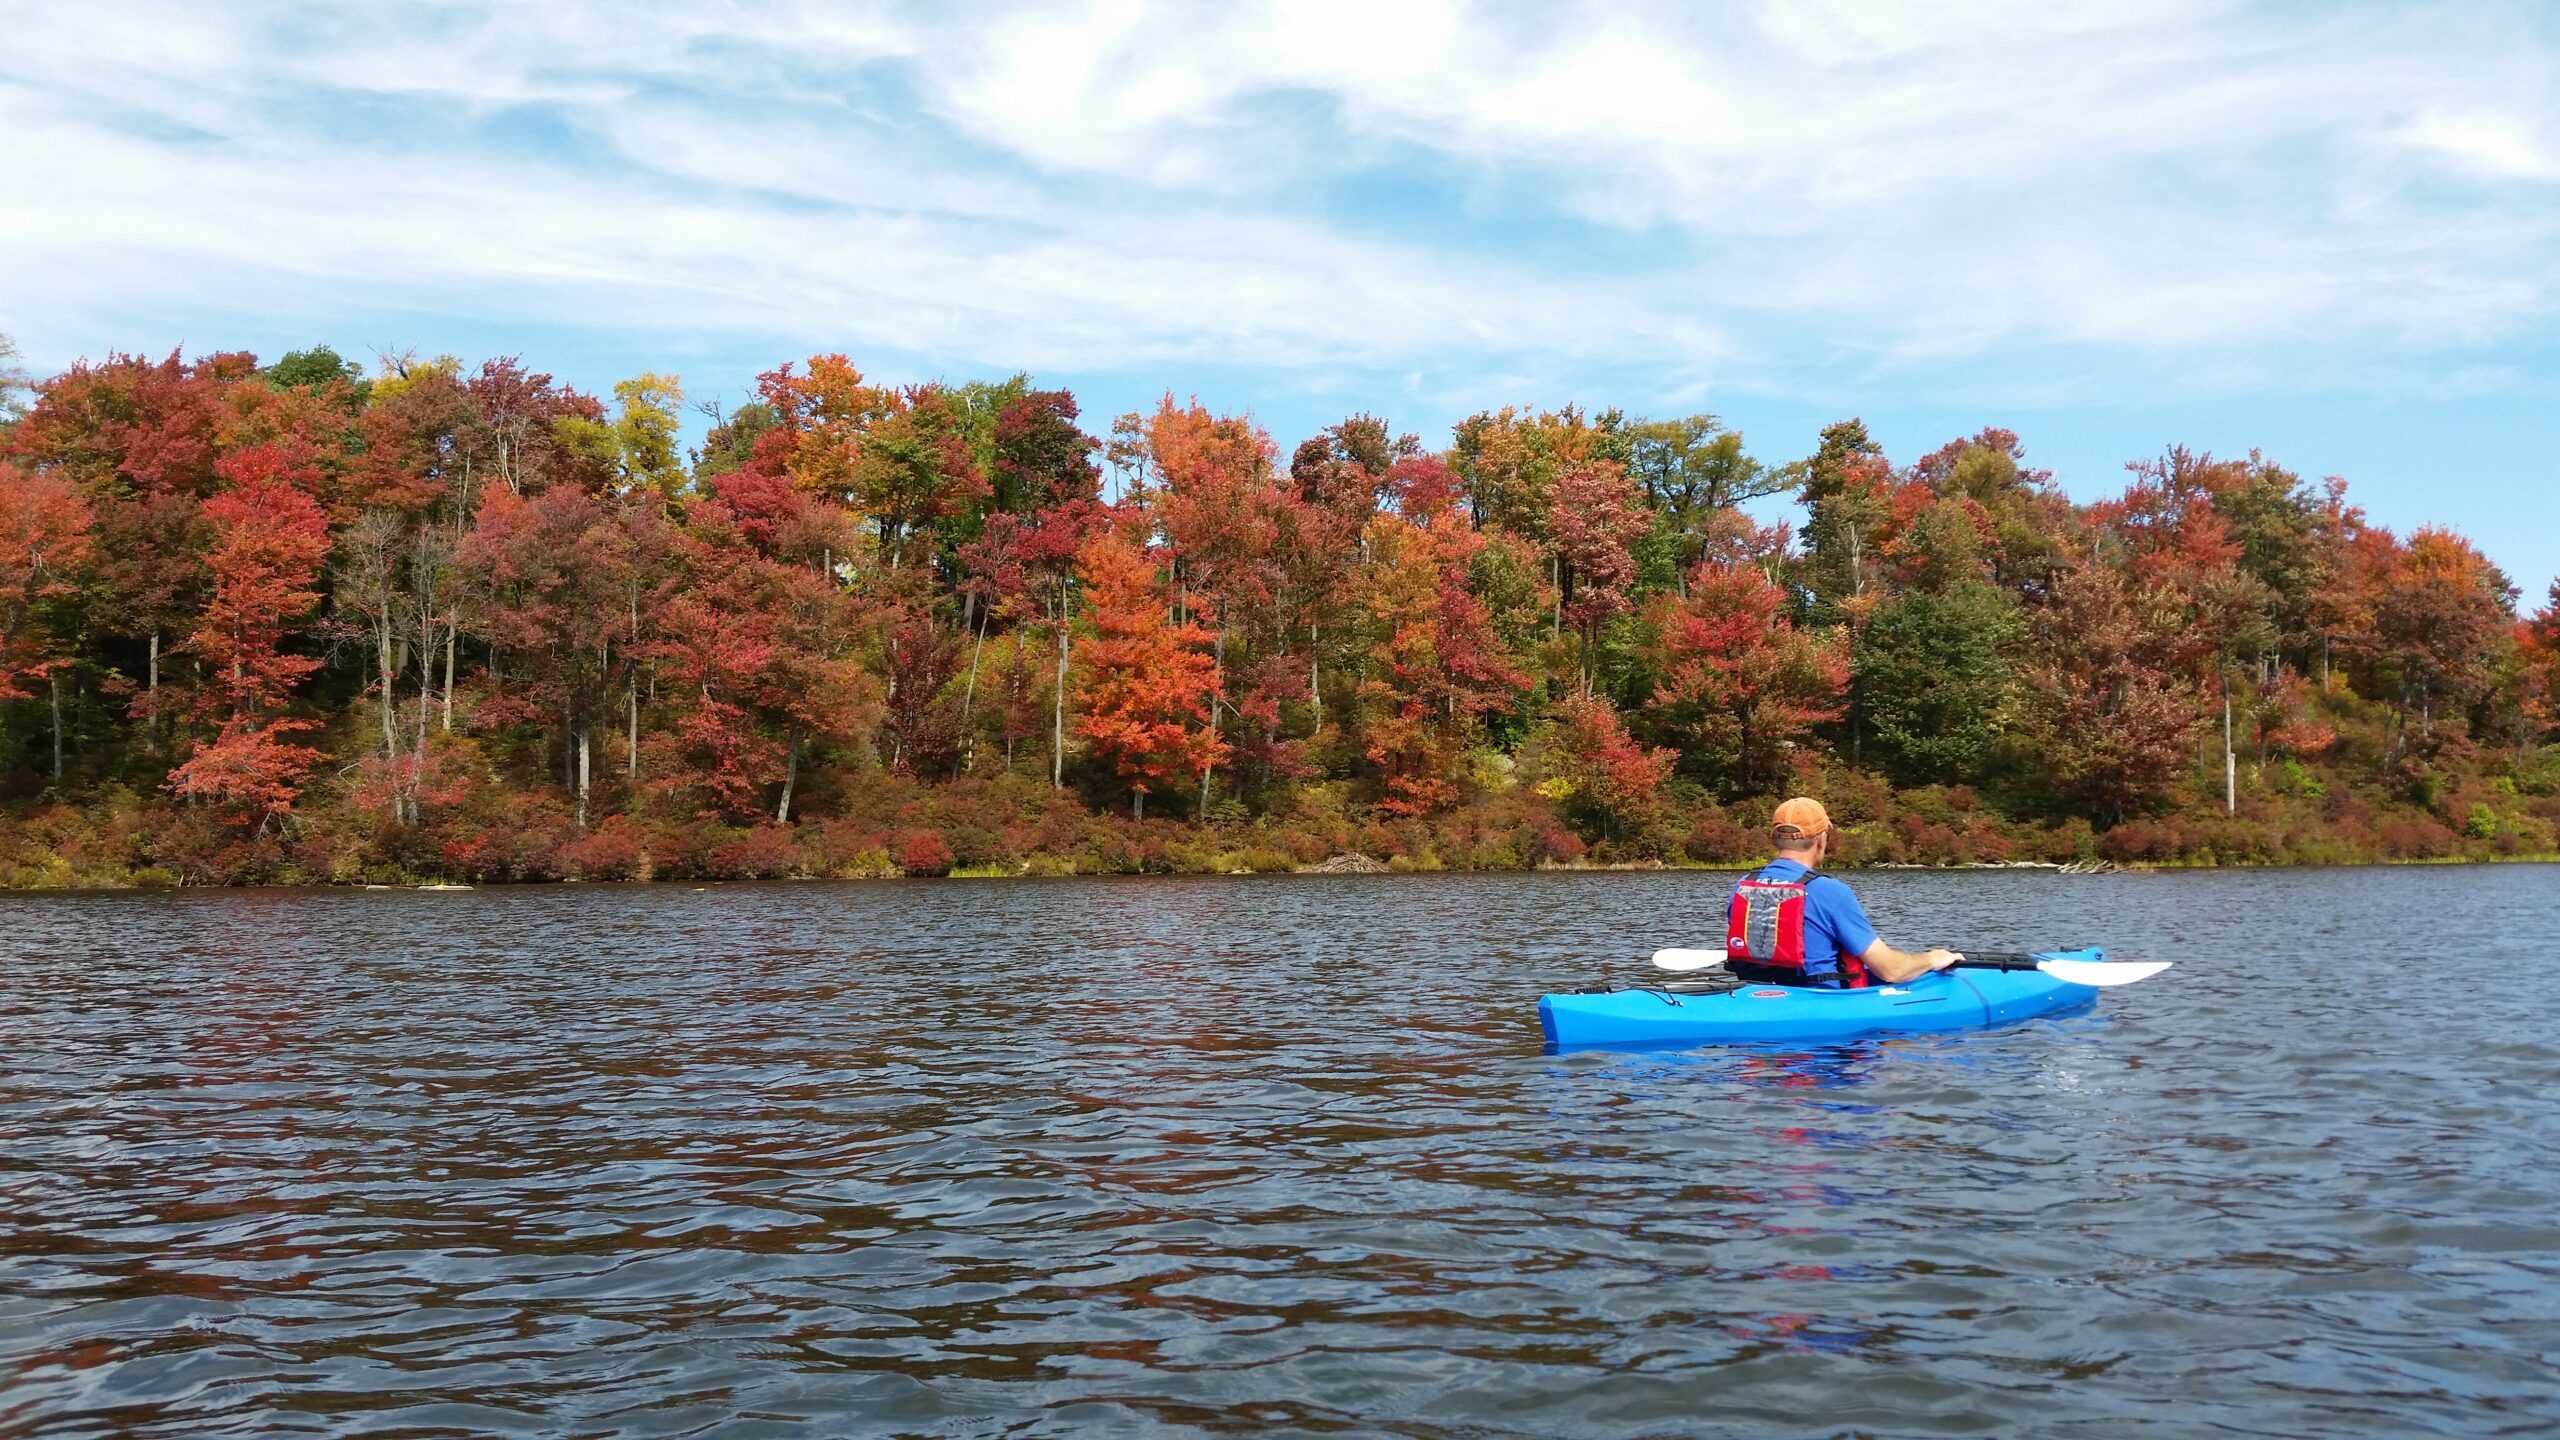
2175 538
135 427
1596 516
2538 656
759 646
1599 770
44 541
2445 618
1740 684
2440 628
1046 463
141 440
2114 710
518 435
269 538
551 573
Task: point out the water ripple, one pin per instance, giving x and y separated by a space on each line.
1270 1157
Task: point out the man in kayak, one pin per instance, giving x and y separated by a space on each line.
1787 925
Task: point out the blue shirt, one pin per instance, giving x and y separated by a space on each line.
1834 921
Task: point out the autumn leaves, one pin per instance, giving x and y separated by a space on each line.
297 599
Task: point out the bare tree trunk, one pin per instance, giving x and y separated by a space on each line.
1138 804
151 712
1218 648
1315 672
386 675
2399 730
426 681
584 732
382 674
2230 765
631 748
53 682
790 777
969 699
1058 721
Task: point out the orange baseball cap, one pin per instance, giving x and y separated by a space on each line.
1800 819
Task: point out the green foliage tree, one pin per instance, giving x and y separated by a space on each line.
731 441
2023 524
1931 676
1845 486
1693 469
639 442
14 384
319 368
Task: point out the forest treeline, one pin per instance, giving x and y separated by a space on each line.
298 622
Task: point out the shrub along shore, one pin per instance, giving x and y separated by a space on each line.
1023 826
306 623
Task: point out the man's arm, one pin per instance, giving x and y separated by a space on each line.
1845 920
1895 966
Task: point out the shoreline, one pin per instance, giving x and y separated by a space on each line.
90 885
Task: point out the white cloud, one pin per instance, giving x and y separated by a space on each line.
273 221
2504 146
1122 184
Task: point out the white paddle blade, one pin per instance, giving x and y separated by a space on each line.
2103 972
1681 960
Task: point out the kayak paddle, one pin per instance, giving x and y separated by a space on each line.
2101 973
2078 972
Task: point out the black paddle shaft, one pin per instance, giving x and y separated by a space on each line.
1999 960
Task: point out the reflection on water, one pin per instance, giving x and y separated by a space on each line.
1243 1157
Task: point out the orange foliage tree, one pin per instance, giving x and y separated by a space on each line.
44 540
1147 682
1435 665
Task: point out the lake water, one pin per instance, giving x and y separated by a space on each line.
1269 1156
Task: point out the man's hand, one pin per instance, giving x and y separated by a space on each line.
1940 959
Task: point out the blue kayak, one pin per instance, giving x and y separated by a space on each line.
1963 998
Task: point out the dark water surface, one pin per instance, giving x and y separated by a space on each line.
1264 1156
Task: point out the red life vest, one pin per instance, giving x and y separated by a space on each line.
1764 925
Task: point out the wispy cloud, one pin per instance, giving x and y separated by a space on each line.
1766 194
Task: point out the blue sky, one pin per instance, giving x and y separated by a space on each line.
2328 231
